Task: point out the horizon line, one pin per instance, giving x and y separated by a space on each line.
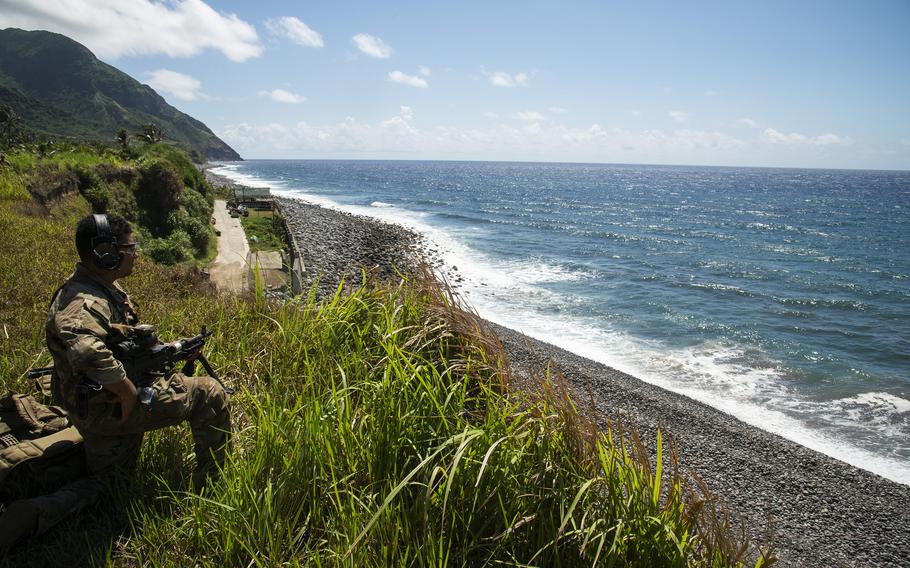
556 162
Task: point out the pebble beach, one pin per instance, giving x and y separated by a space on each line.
823 512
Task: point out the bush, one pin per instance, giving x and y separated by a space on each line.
192 178
177 247
158 193
99 198
196 205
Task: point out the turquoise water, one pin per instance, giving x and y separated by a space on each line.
781 296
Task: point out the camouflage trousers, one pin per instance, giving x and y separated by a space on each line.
112 448
111 445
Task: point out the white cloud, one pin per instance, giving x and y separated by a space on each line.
397 136
412 80
795 138
182 86
678 115
905 141
295 30
747 122
489 114
529 116
372 46
503 79
424 70
283 96
558 110
112 29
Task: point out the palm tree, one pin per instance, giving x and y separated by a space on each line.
9 125
124 138
151 133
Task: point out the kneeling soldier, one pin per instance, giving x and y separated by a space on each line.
85 317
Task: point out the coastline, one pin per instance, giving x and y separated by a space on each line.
825 512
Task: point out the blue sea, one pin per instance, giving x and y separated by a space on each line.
780 296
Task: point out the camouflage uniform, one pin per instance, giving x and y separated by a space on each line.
79 326
78 329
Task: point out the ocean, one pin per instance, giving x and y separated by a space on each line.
780 296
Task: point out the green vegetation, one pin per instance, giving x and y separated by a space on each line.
60 89
374 429
155 187
267 229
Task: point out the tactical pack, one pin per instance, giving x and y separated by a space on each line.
39 448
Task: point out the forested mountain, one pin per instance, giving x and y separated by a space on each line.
59 88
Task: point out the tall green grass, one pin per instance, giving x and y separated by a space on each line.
376 428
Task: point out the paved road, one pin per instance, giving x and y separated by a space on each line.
230 269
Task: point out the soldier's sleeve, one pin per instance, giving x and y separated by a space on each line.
82 326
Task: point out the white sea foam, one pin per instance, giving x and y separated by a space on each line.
723 376
381 204
233 172
538 272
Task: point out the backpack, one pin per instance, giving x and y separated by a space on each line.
39 448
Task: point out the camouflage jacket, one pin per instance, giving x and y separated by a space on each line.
78 331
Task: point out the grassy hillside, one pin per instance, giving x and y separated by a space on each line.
59 88
375 429
155 187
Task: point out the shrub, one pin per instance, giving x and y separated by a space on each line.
177 247
158 193
196 205
99 198
192 178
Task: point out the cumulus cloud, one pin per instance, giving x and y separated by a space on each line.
401 123
529 116
424 70
678 115
397 135
503 79
372 46
795 139
111 29
747 122
182 86
283 96
295 30
404 79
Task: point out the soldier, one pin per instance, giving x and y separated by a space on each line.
94 389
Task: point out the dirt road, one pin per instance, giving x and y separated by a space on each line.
230 269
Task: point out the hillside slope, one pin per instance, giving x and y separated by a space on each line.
58 87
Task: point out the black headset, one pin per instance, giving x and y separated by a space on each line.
104 245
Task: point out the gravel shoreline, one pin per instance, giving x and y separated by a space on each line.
825 512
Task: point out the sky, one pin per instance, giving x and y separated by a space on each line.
822 84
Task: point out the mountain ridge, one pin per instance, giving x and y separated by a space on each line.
59 88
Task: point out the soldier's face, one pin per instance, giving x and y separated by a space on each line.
129 249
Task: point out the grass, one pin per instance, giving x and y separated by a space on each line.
376 428
262 225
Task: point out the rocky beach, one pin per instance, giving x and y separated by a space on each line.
823 512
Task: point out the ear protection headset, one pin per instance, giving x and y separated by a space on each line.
104 245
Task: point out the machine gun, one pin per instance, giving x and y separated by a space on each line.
144 357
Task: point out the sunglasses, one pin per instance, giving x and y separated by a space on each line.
129 248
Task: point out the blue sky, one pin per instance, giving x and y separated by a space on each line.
799 83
